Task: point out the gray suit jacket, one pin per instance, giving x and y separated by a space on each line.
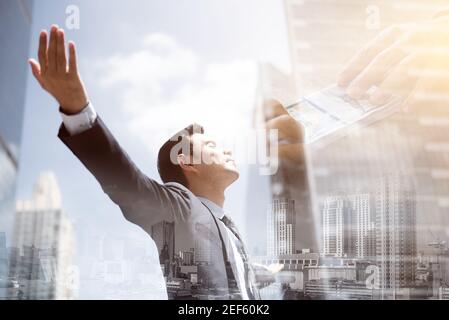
155 207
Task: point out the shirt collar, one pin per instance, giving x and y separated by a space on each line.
215 208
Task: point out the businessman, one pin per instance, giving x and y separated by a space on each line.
193 192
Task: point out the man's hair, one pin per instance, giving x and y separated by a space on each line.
171 171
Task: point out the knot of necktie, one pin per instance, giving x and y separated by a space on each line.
227 221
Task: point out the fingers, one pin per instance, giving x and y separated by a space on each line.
428 94
60 52
42 51
288 128
52 58
399 82
52 50
376 71
441 13
294 153
290 133
73 69
277 118
36 69
410 103
273 108
367 54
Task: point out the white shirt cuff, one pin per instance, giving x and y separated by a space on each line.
81 121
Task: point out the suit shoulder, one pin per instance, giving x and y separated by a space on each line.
179 188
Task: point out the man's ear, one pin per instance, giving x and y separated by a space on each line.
184 163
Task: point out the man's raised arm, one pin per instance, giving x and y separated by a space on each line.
142 200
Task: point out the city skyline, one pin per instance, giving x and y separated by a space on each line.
207 75
369 249
374 224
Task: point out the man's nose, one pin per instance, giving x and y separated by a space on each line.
227 152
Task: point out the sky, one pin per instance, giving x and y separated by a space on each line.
150 68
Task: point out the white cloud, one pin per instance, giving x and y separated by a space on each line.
163 86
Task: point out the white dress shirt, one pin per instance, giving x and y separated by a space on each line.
84 120
235 259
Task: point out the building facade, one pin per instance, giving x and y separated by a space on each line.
396 234
163 234
281 227
348 226
334 289
14 15
44 244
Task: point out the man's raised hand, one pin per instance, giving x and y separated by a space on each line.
58 78
290 132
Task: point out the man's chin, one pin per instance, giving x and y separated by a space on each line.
236 174
233 171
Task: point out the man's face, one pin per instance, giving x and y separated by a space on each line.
211 160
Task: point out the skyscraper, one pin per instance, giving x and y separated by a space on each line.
281 227
3 257
8 172
333 223
348 226
187 257
395 234
44 237
203 250
163 234
363 223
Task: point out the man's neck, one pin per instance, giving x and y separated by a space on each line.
210 192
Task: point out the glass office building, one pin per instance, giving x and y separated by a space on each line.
15 16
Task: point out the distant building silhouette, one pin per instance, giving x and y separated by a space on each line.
43 236
163 234
187 257
395 234
281 227
348 226
202 248
3 256
14 15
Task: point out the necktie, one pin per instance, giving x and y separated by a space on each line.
249 273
